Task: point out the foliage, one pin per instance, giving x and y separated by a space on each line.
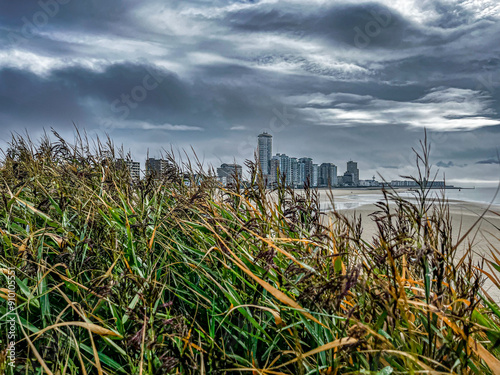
178 275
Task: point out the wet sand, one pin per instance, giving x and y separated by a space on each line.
485 234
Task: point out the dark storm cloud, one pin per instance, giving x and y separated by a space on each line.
443 164
64 91
449 164
488 161
88 14
349 24
330 80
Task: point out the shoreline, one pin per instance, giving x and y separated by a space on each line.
371 195
484 236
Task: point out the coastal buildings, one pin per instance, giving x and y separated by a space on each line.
283 165
414 184
307 170
288 170
348 179
264 152
327 175
352 168
275 174
314 182
134 167
296 172
229 173
156 167
369 183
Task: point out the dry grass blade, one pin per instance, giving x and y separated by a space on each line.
278 294
94 328
331 345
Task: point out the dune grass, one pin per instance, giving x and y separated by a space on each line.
176 275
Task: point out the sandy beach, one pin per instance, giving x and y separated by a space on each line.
485 234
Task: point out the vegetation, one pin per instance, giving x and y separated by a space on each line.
177 276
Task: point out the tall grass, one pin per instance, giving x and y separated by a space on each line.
173 275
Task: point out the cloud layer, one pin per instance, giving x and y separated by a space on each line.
330 80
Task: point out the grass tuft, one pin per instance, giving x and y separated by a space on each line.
175 274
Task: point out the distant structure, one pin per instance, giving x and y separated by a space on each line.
156 167
327 176
415 184
295 172
134 167
281 167
369 183
228 173
352 168
306 170
264 153
275 172
314 180
348 179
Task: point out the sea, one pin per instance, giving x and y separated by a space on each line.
483 195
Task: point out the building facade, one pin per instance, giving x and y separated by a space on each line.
156 167
229 173
327 176
294 171
134 167
314 175
306 167
264 152
352 168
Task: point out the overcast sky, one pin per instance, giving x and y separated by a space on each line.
331 80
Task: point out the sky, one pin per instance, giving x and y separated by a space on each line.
331 80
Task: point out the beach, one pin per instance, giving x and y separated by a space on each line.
485 234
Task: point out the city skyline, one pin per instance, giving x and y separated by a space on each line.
280 168
294 170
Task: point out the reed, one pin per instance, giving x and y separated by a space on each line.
176 275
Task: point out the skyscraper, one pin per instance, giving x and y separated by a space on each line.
156 167
308 169
352 167
327 175
134 167
294 172
264 152
229 173
274 170
285 168
314 182
281 166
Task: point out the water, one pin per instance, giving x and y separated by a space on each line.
350 202
483 195
479 195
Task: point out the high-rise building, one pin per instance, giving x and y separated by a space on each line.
307 168
301 177
156 167
264 152
285 168
327 175
294 172
228 173
348 179
352 167
274 170
314 175
134 167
